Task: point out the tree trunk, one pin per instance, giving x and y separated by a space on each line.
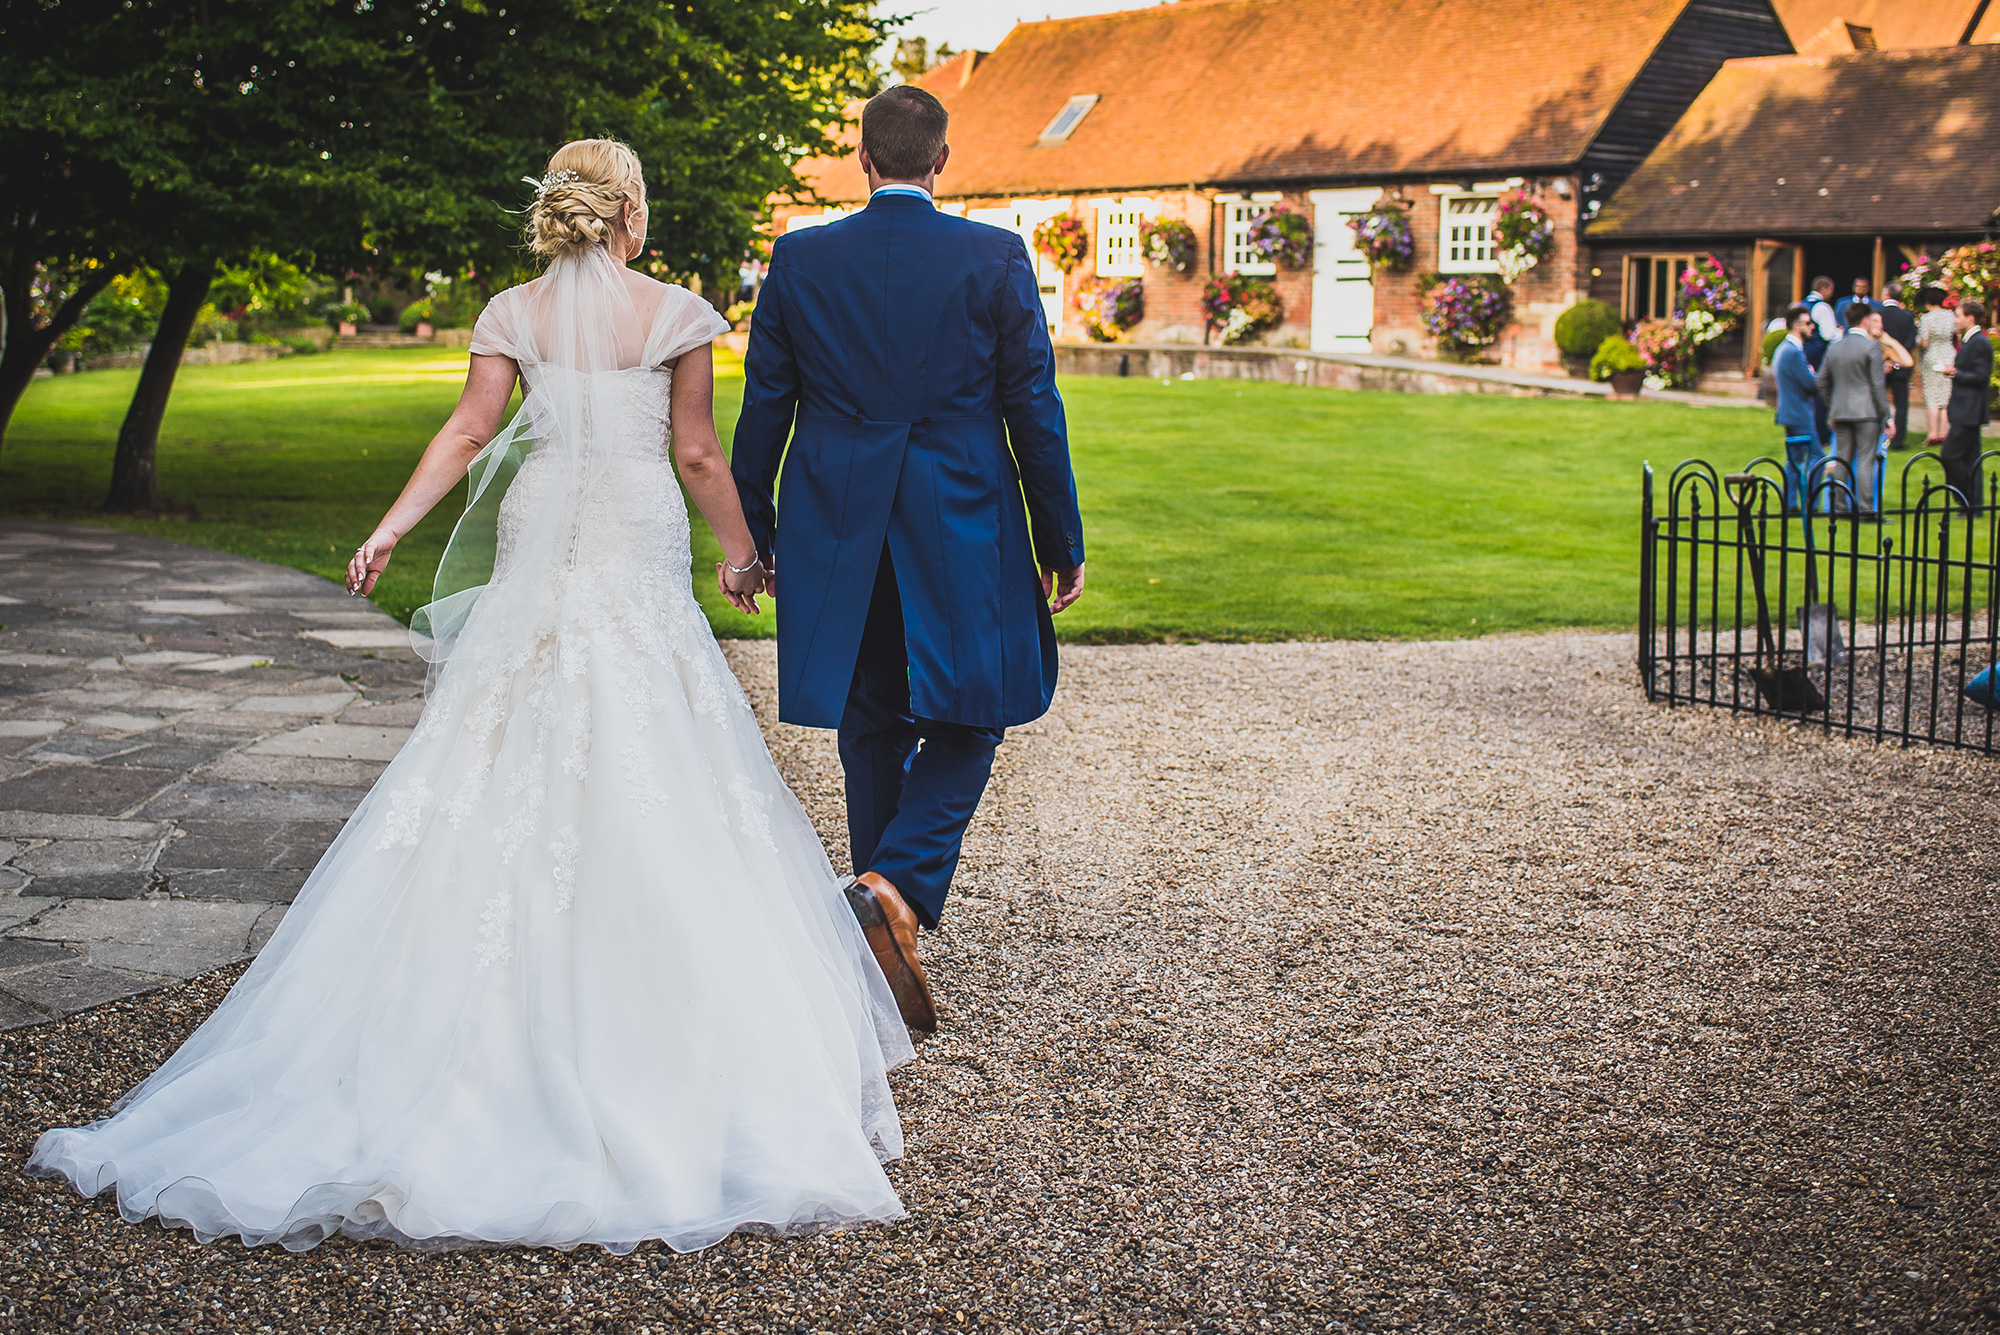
27 345
135 472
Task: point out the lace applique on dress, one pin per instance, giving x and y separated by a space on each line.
577 763
405 820
495 934
753 813
565 847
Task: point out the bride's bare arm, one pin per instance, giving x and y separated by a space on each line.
705 471
481 409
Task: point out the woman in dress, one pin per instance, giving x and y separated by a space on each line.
1936 355
577 970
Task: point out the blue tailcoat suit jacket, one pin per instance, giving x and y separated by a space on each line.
901 354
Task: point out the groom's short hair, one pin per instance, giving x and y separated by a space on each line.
903 129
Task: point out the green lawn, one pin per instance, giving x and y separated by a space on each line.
1213 510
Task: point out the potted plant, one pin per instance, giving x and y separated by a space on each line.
1241 308
1064 240
1619 362
1523 234
1168 242
1109 307
346 317
1282 236
1581 329
1383 237
1465 313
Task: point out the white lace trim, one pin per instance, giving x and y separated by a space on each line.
404 823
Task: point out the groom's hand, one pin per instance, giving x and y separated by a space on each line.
1063 587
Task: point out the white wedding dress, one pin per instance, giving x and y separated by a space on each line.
577 970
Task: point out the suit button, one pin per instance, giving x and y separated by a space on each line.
857 419
925 422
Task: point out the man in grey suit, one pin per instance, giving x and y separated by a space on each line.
1857 402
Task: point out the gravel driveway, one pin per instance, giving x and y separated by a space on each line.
1311 987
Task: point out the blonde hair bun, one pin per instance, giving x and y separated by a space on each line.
575 214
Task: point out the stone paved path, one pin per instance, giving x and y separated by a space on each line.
182 733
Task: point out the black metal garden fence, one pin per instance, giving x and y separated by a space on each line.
1870 626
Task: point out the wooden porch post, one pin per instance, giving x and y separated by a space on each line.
1880 275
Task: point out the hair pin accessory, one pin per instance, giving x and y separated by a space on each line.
550 182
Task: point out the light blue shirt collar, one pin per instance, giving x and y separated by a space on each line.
916 190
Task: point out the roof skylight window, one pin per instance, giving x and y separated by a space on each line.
1067 119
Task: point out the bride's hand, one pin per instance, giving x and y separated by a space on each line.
370 559
741 587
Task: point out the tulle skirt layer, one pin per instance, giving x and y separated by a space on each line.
577 971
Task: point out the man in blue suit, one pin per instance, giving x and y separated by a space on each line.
1798 395
902 355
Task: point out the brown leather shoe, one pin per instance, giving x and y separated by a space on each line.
891 929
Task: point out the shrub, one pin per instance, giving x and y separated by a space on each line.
1064 240
1581 328
302 347
417 312
1241 308
1169 243
1613 355
1282 236
739 314
1383 237
353 312
1465 313
1110 306
1772 338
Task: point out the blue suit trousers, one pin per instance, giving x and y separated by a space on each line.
912 783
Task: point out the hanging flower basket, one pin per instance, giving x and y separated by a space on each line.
1282 236
1465 313
1523 235
1971 270
1063 239
1241 308
1383 237
1169 243
1711 300
1108 307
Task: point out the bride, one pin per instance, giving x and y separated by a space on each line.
577 970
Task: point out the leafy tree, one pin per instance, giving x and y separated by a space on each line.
380 135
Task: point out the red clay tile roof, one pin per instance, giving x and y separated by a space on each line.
1894 23
1891 142
1250 91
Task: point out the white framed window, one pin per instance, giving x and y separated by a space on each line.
1238 213
1465 234
1066 121
1118 223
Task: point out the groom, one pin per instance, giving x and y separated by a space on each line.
903 354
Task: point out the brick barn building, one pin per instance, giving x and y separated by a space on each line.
1212 110
1788 167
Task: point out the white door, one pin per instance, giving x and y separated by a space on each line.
1343 289
1022 217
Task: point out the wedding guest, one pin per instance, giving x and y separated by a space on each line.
1856 399
1826 324
1935 346
1796 394
1967 411
1901 326
1841 307
1825 332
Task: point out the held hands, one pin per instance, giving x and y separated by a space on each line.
370 559
741 587
1062 586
